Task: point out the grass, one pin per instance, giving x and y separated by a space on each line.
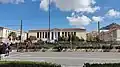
26 64
102 65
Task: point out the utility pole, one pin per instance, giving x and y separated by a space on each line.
49 20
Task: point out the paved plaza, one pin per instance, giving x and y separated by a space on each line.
67 59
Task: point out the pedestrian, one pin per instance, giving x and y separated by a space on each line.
26 46
7 49
2 50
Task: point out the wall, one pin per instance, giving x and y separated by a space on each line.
81 34
1 32
4 33
32 34
118 35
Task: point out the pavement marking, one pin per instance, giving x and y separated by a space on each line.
72 58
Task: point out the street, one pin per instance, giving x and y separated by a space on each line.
67 59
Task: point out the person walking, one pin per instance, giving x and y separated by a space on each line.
7 49
2 50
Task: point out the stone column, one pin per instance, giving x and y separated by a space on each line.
57 35
50 35
41 34
44 34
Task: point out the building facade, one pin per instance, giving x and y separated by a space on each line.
55 33
24 35
111 34
4 33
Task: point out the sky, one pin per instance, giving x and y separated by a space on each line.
63 13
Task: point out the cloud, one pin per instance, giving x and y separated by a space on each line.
72 5
88 9
79 21
44 4
78 7
113 13
97 18
11 1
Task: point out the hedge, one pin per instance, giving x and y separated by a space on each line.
26 64
102 65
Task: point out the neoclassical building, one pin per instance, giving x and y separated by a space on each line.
56 32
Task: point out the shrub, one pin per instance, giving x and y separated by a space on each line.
102 65
26 64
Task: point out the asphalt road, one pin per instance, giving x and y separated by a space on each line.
67 59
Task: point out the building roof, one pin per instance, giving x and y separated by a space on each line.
59 29
66 29
111 30
11 29
110 26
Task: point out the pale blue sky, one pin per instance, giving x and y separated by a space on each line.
35 18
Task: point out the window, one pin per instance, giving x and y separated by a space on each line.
37 34
75 33
52 35
27 35
65 34
72 33
58 34
45 34
68 33
55 34
62 33
48 34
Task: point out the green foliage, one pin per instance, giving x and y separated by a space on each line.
32 38
89 38
13 34
93 39
102 65
73 38
61 38
26 64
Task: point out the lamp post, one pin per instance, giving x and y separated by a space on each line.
98 31
21 27
21 32
49 20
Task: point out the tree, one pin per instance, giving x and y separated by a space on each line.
73 38
69 37
13 35
61 38
90 38
32 38
97 39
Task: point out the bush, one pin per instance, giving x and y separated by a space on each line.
26 64
102 65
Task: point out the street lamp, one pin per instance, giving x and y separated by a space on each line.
49 20
98 31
